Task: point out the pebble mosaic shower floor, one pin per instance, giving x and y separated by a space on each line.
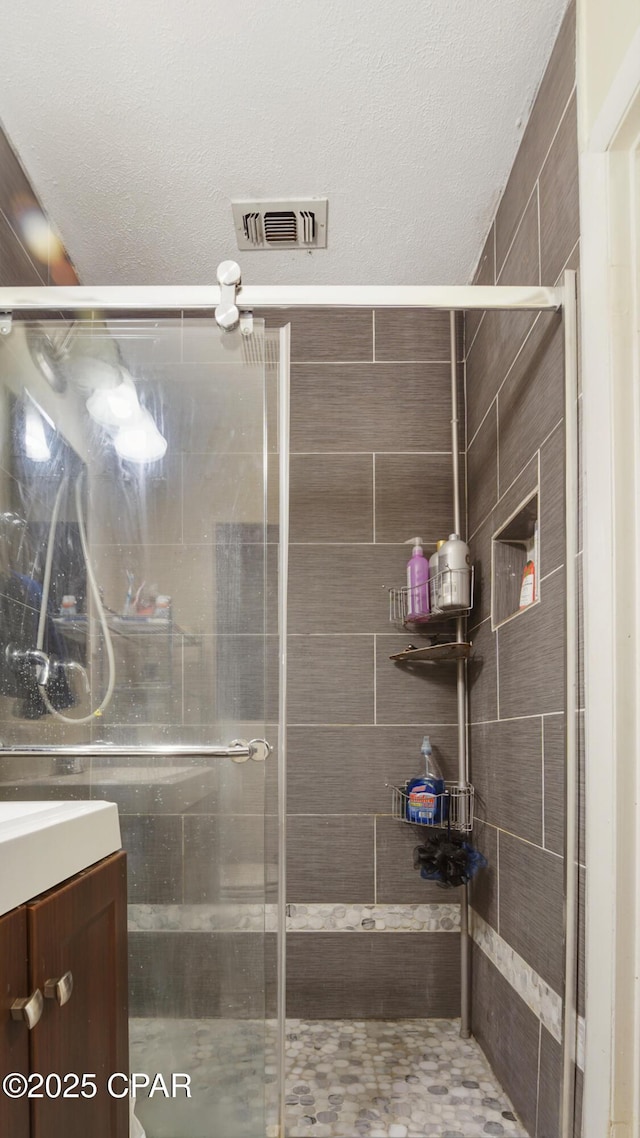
345 1079
391 1079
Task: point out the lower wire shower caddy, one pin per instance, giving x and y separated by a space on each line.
455 808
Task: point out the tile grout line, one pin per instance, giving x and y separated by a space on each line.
373 330
498 675
475 335
367 362
354 453
544 836
513 834
498 880
513 718
375 859
516 232
538 173
509 370
537 189
518 475
497 451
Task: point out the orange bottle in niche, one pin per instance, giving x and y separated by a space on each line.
528 587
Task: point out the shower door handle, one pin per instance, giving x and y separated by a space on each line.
256 749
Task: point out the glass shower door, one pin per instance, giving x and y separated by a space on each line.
138 476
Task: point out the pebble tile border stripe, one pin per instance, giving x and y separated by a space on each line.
300 918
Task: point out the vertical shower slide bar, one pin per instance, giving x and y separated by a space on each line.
283 577
461 684
569 1010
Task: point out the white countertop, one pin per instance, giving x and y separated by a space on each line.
44 843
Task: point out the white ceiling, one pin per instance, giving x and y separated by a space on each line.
139 120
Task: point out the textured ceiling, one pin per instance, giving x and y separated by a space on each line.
139 120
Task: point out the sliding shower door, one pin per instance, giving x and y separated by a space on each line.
138 558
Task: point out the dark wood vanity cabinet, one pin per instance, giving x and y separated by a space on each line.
70 944
14 1037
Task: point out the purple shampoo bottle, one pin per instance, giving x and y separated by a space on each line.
417 582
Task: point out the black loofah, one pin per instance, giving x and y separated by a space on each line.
447 859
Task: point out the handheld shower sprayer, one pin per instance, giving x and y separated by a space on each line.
43 673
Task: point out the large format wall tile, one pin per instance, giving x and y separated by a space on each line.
204 969
490 359
484 887
531 655
551 100
412 695
506 768
224 859
341 588
412 334
552 505
331 679
325 334
336 770
396 879
387 976
480 548
522 262
330 858
482 675
559 211
413 495
531 906
531 402
154 858
554 792
331 497
508 1033
367 407
502 332
550 1083
16 267
482 470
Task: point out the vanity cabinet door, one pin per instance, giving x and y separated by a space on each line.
14 1036
81 928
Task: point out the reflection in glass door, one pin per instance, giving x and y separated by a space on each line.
138 556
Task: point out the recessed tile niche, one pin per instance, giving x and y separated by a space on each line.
512 546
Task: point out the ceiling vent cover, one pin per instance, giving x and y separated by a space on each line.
285 224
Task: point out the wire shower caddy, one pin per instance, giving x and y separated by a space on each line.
454 807
444 587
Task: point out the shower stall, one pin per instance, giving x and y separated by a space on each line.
144 659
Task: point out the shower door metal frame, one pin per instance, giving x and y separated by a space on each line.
92 300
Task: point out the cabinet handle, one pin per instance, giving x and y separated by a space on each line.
28 1010
59 989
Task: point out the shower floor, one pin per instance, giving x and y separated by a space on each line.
345 1079
388 1079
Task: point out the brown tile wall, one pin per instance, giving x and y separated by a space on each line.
515 407
370 468
22 261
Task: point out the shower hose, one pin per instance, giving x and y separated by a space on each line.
95 592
